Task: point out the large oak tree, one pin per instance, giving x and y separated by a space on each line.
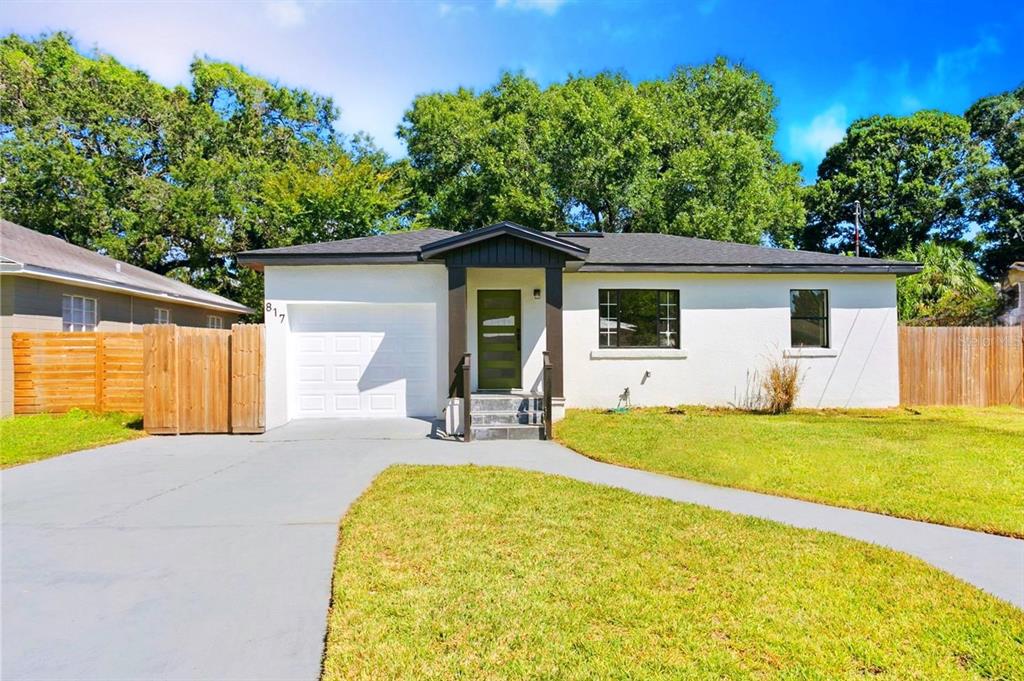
912 175
177 180
692 154
998 124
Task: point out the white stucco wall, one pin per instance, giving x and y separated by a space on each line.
730 326
338 285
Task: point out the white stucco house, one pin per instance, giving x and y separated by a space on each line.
382 325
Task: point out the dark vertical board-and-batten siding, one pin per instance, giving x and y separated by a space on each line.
504 251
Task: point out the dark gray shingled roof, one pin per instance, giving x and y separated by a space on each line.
395 243
24 250
610 252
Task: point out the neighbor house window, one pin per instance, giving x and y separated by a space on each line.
808 318
78 313
638 318
161 315
214 322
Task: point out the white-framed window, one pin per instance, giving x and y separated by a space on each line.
161 315
638 318
78 313
214 322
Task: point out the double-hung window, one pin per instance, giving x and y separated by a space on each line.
214 322
808 318
161 315
78 313
638 318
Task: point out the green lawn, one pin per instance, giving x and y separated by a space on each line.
955 466
481 573
24 439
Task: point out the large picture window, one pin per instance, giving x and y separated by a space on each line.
78 313
808 318
638 318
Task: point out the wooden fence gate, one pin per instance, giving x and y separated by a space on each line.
976 366
203 380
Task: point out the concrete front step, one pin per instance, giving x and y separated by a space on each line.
507 418
517 432
495 402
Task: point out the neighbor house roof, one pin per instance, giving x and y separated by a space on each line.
1015 273
28 252
598 252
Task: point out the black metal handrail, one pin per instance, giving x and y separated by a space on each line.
547 396
467 418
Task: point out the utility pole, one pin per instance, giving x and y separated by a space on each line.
856 228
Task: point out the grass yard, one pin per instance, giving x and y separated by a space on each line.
955 466
24 439
482 573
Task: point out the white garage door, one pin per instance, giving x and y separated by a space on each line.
362 361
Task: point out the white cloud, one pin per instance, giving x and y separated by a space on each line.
285 13
809 142
953 70
451 9
958 65
900 88
548 7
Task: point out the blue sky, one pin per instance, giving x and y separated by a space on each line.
829 62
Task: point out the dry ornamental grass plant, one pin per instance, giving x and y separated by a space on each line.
773 392
780 385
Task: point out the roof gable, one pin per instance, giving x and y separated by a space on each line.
501 232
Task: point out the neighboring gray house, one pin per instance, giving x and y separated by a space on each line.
47 284
1013 293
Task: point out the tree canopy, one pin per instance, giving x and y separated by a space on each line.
692 154
998 124
913 177
177 180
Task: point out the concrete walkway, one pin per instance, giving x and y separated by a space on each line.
210 557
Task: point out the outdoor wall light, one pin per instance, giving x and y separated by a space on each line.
536 294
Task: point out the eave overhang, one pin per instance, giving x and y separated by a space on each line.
11 268
257 261
899 269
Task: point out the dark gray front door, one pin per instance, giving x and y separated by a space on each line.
499 339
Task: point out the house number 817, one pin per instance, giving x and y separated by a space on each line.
272 311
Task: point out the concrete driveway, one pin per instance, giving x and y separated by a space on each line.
209 557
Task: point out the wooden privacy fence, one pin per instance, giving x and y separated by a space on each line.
203 380
976 366
55 372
